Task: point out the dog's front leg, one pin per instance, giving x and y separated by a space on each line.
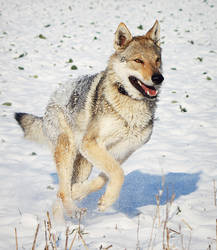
100 158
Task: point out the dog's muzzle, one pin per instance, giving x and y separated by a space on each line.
148 91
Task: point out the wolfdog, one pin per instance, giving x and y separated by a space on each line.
100 120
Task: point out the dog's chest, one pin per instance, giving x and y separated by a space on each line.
122 138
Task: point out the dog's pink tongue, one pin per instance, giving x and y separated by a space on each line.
148 91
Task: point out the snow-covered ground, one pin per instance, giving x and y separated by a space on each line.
39 43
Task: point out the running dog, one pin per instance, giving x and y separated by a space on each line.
100 120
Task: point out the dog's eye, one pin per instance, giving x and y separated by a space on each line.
139 61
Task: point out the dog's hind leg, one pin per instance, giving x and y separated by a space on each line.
82 189
64 156
81 171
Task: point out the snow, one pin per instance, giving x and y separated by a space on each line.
37 41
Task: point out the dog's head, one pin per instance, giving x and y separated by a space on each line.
137 62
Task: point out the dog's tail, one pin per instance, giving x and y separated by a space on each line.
32 126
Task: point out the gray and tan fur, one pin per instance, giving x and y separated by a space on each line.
100 120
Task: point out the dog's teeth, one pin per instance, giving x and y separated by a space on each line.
148 92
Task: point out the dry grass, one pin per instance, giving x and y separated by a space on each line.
16 238
51 238
161 221
137 234
36 234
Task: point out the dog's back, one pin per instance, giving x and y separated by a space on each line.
70 98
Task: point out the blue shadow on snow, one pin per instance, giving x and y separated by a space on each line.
139 189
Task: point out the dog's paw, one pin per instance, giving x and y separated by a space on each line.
69 207
58 213
105 202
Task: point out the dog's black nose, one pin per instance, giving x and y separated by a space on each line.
157 78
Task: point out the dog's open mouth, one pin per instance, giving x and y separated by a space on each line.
147 91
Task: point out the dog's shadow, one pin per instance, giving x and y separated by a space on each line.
140 189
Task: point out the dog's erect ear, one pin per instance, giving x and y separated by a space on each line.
154 33
122 37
